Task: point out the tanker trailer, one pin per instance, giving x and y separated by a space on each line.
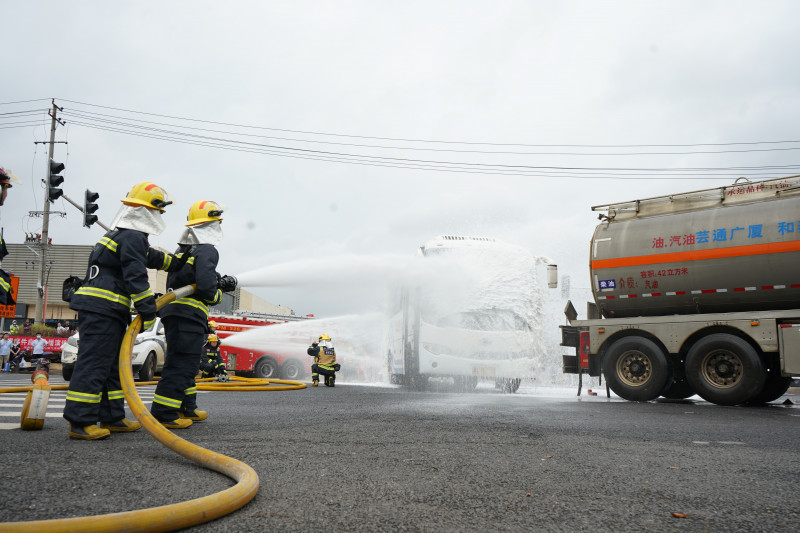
695 293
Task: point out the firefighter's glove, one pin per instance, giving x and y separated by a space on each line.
182 255
227 284
336 367
148 321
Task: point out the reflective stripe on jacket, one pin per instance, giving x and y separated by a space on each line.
117 276
201 269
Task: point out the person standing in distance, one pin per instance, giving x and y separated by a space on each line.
186 319
37 347
5 353
116 278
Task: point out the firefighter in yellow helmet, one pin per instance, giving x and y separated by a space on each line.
211 363
116 278
324 361
186 319
6 179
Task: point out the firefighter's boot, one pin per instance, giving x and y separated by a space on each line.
178 423
91 432
196 415
329 381
121 425
314 382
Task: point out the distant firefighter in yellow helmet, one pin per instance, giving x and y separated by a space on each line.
211 363
186 319
325 363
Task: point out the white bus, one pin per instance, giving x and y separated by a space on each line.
473 315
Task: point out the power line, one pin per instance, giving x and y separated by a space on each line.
231 140
25 112
94 116
509 170
205 138
26 101
27 124
427 140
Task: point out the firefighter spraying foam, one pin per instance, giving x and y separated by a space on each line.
324 361
186 319
211 364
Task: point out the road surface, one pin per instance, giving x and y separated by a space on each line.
379 458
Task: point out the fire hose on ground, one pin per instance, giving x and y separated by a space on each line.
167 517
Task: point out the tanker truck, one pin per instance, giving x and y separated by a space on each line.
694 293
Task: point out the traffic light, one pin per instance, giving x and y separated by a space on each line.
54 180
89 207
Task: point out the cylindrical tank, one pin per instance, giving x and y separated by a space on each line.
733 257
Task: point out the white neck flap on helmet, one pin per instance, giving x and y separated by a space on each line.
139 218
205 233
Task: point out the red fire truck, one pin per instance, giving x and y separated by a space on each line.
260 363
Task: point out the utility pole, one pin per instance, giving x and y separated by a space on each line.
41 287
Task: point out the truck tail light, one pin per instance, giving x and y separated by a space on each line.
583 351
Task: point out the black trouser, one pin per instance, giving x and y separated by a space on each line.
95 391
176 391
330 374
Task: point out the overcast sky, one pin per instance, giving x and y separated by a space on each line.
509 75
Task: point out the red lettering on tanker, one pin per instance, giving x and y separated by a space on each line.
748 189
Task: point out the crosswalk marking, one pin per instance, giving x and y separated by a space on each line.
11 403
54 414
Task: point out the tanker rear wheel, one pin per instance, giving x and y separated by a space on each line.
725 370
775 385
636 369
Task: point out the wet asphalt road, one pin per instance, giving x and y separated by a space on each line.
361 458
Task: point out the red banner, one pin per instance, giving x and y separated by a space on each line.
54 344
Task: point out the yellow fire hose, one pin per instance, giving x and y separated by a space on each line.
178 515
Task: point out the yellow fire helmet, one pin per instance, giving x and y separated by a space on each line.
7 177
324 337
204 211
213 338
212 324
147 194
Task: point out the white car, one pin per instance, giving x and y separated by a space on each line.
147 359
